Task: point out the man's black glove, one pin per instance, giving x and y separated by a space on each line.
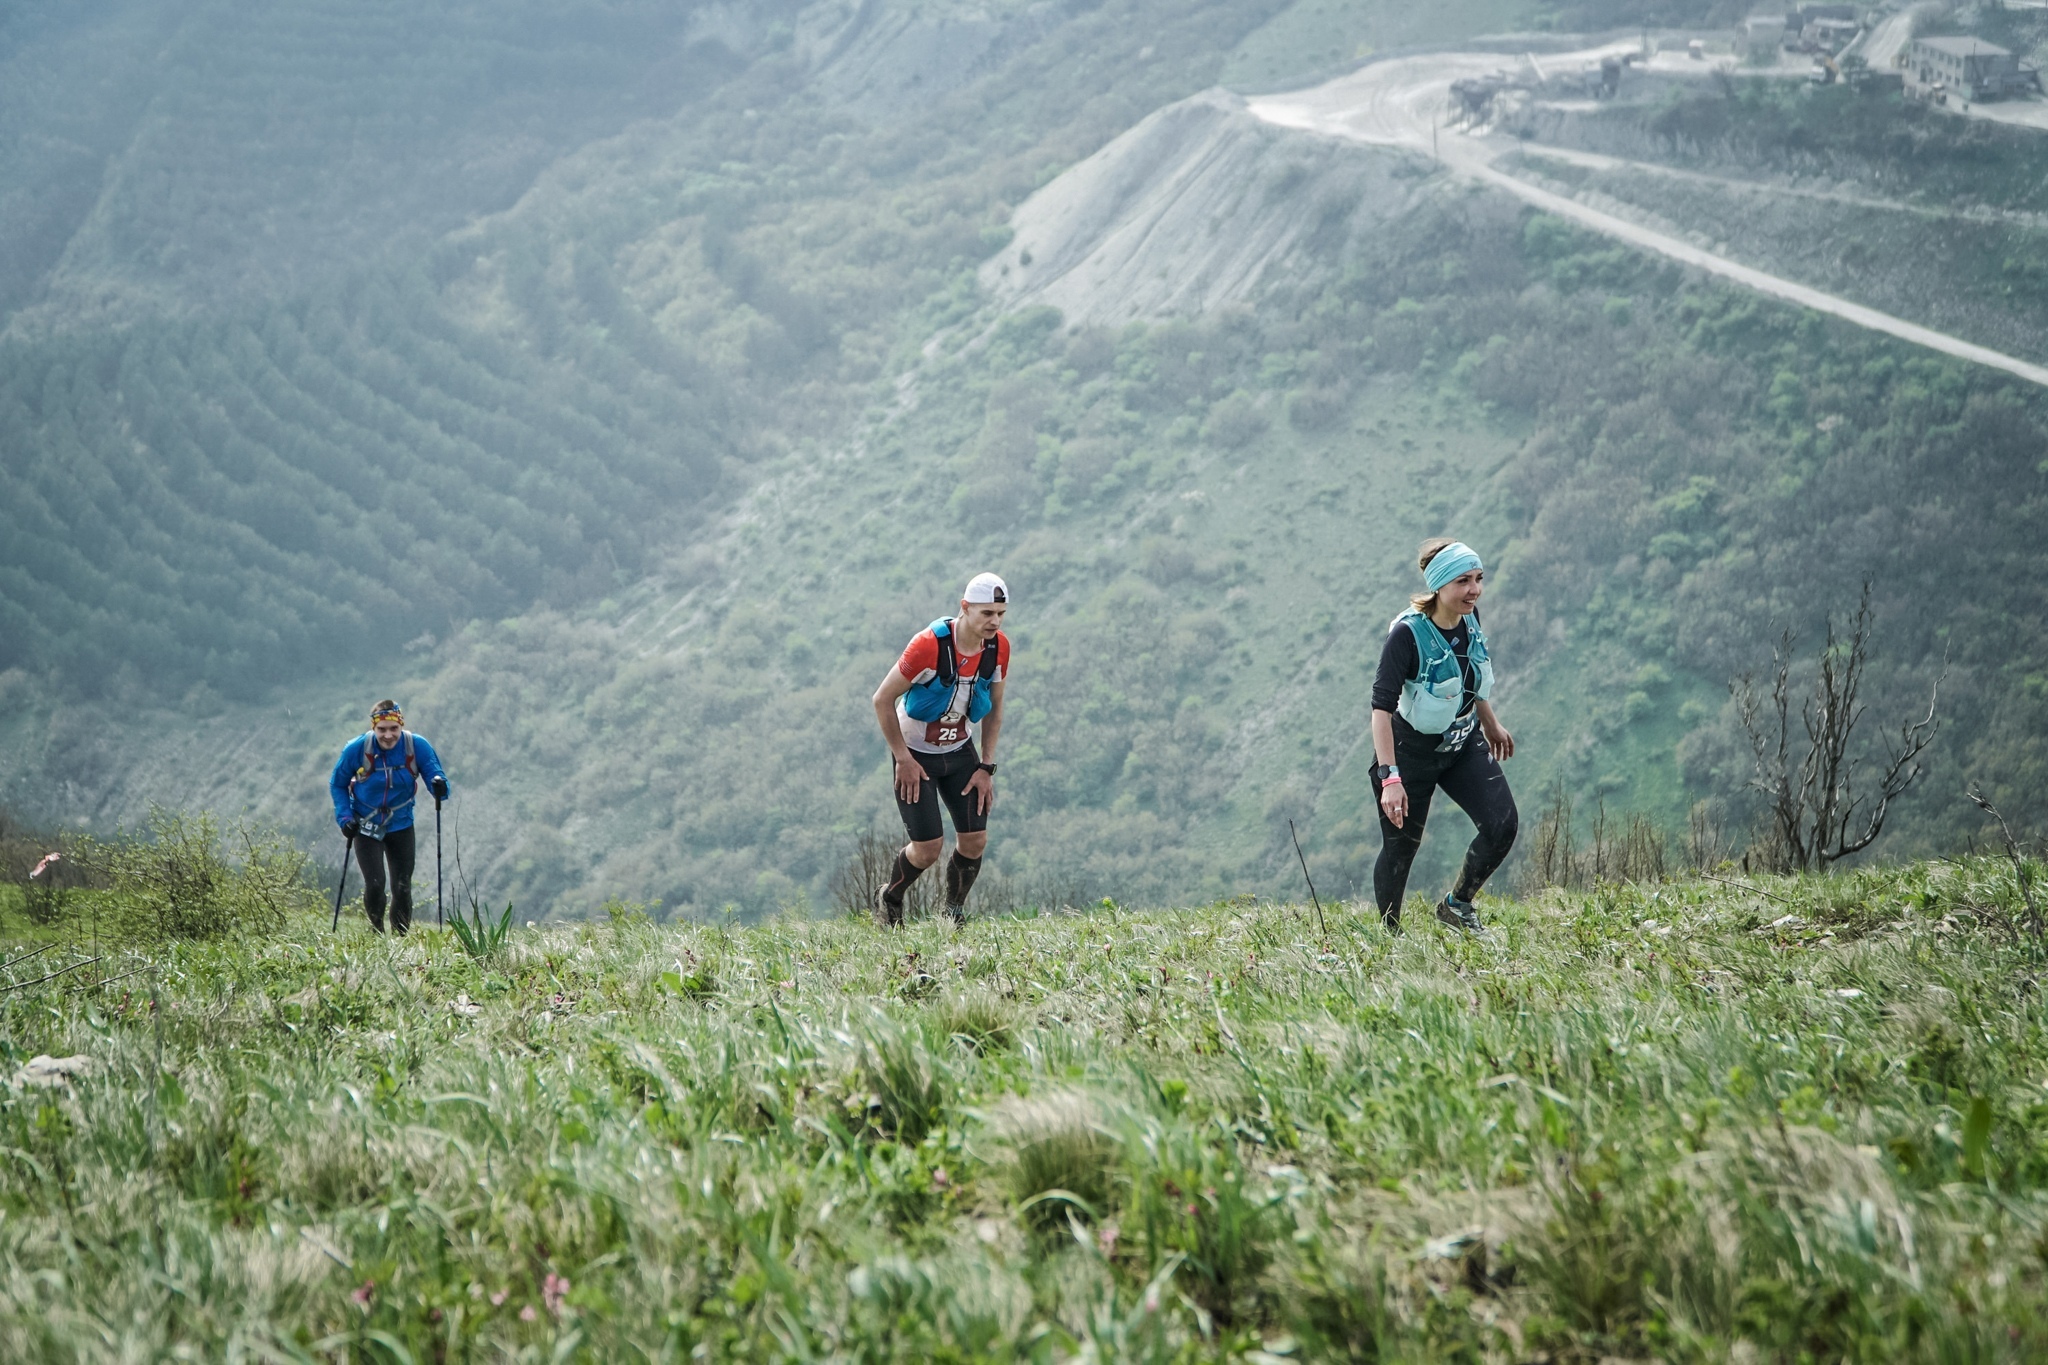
351 827
438 785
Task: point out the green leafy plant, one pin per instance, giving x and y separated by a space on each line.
480 937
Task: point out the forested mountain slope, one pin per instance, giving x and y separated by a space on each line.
243 437
176 156
338 354
631 482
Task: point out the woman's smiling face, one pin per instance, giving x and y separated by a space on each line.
1463 591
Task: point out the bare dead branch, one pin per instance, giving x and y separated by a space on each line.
2022 870
1818 809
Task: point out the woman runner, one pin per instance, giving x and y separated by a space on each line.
1429 696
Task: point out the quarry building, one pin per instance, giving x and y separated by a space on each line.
1968 68
1763 35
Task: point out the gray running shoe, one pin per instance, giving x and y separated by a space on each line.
959 914
1459 915
886 915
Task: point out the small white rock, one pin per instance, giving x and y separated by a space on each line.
47 1071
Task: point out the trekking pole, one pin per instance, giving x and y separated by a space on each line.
347 850
438 923
1310 880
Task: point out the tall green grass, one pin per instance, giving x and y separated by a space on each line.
1791 1120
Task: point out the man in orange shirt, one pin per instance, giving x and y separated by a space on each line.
949 680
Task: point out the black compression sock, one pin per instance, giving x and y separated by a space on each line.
900 879
961 871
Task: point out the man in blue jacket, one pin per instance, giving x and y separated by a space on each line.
373 784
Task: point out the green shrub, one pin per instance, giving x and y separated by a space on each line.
1235 422
190 880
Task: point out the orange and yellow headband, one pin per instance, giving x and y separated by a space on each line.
390 713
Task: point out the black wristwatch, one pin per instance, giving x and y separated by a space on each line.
988 768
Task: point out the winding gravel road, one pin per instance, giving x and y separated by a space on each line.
1406 102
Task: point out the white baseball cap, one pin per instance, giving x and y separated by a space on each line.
986 587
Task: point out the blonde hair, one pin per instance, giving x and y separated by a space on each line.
1426 601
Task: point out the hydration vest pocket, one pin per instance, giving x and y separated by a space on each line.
1431 708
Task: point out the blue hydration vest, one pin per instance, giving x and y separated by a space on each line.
936 698
1431 700
375 786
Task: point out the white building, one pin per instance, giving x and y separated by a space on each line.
1762 36
1968 68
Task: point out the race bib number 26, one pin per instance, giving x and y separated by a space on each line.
947 730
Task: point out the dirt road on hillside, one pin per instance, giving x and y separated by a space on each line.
1601 161
1404 103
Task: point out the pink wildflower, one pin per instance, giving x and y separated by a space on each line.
527 1314
940 1179
362 1295
552 1292
498 1299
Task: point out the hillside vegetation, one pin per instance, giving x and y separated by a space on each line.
1899 205
630 480
261 414
1794 1120
1660 463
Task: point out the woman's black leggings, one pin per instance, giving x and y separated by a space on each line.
1469 776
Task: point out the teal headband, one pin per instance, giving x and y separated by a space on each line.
1453 561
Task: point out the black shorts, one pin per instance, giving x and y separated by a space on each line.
946 777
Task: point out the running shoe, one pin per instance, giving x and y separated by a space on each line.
1459 915
886 915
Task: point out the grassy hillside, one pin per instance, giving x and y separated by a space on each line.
1791 1121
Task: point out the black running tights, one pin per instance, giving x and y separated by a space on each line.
1470 777
395 852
